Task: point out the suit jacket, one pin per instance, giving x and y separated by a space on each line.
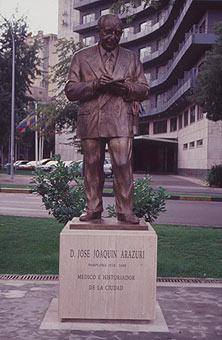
105 114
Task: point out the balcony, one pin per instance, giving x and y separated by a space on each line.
194 44
157 25
169 98
82 4
81 28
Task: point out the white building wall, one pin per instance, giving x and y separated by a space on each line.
62 147
214 152
193 157
67 18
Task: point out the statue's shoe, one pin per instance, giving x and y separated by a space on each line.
131 218
88 216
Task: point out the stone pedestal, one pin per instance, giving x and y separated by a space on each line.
107 271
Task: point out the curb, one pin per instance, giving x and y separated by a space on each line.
16 190
107 194
195 198
183 197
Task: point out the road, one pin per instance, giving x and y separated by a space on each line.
178 212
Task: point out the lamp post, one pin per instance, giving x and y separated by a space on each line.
12 100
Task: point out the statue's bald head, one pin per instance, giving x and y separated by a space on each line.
109 28
108 17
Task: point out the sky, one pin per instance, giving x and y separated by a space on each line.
42 15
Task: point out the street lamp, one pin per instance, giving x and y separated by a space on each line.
13 99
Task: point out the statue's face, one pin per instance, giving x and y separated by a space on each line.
110 33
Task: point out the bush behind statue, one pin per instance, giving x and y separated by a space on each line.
148 203
214 176
64 201
61 199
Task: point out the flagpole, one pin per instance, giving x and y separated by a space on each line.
36 133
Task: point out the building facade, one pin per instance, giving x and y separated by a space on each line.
43 90
174 134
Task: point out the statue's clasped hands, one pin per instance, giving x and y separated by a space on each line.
114 86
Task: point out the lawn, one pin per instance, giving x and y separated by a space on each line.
16 186
31 246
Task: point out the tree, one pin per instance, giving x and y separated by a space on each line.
60 114
208 84
126 6
26 69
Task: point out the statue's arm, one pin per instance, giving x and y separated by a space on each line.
138 88
76 89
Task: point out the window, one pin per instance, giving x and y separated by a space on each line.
173 124
192 114
157 100
148 77
144 129
145 26
157 72
145 51
199 142
88 40
158 44
105 11
127 31
199 112
160 126
192 145
202 27
185 146
88 18
180 121
186 118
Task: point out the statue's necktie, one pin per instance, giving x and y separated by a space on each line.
109 62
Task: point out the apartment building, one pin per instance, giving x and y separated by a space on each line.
174 134
42 89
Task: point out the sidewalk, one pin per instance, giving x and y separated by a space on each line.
172 183
185 311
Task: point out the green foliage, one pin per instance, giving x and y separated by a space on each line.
187 251
26 69
33 244
64 50
148 203
126 6
61 199
214 176
60 115
208 84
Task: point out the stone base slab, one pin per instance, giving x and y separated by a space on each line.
51 321
107 273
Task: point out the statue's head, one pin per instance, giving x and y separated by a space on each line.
109 28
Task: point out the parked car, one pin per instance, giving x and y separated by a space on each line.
80 168
48 166
33 164
108 171
69 164
18 163
107 167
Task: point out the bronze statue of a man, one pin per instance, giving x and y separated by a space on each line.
107 79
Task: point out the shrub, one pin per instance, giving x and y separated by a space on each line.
214 176
148 203
61 199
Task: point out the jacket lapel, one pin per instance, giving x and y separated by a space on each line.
95 62
97 67
122 65
120 70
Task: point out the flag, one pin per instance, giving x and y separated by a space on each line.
142 112
25 123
